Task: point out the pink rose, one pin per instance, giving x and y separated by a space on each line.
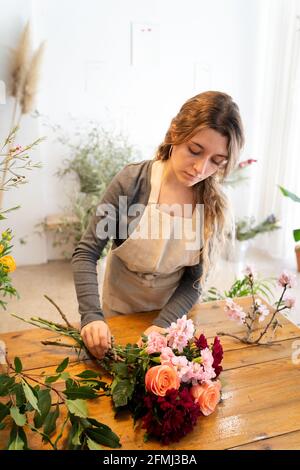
160 379
207 396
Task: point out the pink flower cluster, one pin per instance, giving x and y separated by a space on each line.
178 336
234 311
203 363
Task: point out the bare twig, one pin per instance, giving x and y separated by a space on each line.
60 312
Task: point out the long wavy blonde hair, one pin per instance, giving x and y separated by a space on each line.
214 110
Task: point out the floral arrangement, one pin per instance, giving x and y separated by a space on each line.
166 383
169 382
258 312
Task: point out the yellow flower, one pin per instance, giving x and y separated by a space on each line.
1 248
9 262
6 235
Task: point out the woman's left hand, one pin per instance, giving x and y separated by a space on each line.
150 330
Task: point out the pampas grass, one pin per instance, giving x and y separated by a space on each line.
19 63
25 71
30 86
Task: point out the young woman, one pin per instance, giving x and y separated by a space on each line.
147 269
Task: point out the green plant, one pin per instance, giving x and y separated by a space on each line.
7 265
97 155
34 403
14 162
241 288
295 198
246 227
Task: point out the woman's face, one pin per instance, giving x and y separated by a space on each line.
200 157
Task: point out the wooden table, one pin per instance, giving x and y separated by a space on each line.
261 384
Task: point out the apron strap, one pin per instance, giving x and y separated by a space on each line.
156 177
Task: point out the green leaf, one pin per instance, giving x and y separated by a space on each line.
120 369
77 407
18 365
18 418
77 431
104 436
65 375
52 379
62 365
92 445
287 193
296 235
17 389
88 374
17 439
50 422
2 426
4 410
6 383
80 392
29 394
122 392
44 403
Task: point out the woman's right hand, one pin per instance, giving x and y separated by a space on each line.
96 336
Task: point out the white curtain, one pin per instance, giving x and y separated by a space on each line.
277 136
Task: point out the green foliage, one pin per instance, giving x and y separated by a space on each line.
246 227
240 288
96 156
25 407
6 287
295 198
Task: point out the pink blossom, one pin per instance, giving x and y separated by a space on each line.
247 162
166 355
263 312
249 271
287 280
156 342
289 302
182 366
234 311
180 333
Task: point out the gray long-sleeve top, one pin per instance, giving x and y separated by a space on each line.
132 181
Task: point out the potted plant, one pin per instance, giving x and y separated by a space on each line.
296 232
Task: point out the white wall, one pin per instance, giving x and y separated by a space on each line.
87 73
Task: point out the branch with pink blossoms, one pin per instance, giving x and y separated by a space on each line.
258 311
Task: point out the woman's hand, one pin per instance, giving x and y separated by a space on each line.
148 331
96 336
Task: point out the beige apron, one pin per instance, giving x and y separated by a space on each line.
142 274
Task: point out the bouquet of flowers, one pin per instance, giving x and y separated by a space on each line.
166 382
169 381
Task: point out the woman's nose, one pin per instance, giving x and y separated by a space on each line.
201 166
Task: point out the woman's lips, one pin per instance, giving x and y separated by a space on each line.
192 178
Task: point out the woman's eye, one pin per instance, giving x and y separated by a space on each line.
194 153
221 163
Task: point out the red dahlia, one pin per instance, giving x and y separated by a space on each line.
170 417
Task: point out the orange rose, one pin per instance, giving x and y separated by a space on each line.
160 379
9 262
207 396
